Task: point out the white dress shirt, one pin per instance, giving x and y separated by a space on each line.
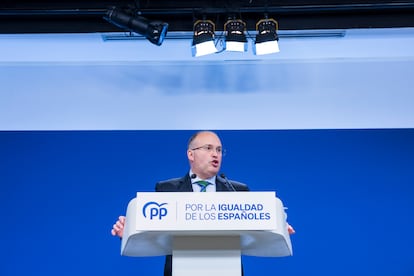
209 188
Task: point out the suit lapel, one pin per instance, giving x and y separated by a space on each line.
185 184
221 185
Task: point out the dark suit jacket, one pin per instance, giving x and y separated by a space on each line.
183 184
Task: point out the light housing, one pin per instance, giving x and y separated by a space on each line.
203 38
266 38
154 31
235 35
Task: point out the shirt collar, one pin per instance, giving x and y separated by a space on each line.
211 180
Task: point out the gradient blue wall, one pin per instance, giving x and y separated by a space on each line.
349 193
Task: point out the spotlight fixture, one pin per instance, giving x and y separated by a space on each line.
235 36
154 31
203 38
266 37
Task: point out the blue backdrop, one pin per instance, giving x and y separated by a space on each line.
350 196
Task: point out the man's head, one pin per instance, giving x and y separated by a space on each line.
204 154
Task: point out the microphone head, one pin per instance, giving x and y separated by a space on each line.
193 176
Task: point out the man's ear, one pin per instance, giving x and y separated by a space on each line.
190 155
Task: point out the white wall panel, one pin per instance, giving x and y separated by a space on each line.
361 80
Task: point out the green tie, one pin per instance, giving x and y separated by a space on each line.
203 185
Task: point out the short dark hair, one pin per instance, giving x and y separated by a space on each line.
192 138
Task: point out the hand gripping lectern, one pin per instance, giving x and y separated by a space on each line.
206 232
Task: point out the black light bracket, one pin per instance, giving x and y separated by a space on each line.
128 19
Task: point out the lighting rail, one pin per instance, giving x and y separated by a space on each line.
250 35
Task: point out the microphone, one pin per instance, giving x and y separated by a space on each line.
228 182
193 176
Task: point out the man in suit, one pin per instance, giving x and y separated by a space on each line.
204 153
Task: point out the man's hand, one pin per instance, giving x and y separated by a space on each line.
118 227
290 229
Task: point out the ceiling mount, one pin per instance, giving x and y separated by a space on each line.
154 31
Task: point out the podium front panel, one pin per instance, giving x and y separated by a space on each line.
200 211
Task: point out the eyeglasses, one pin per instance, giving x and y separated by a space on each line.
210 148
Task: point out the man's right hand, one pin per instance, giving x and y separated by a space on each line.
118 227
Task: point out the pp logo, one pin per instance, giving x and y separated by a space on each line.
154 210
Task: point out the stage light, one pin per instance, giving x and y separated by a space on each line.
203 38
266 37
235 36
154 31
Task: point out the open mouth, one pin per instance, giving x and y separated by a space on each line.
215 163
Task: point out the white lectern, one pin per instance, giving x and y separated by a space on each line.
206 232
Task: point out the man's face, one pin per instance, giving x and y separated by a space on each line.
205 155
